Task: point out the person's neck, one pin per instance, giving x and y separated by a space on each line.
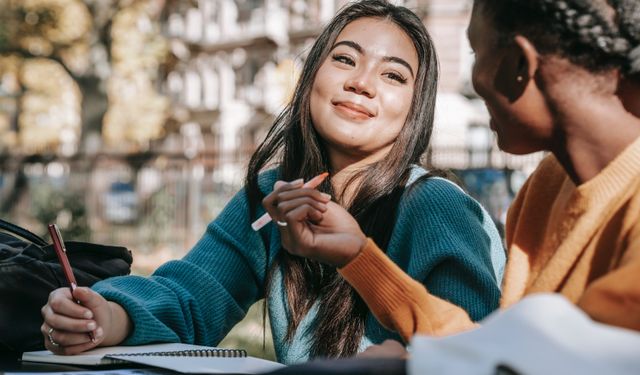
595 132
344 167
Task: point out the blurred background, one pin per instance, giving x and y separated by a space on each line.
131 121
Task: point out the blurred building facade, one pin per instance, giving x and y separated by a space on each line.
139 116
198 77
236 62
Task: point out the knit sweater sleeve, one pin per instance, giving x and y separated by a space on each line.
442 268
199 298
399 302
614 298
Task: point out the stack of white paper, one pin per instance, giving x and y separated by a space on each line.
542 334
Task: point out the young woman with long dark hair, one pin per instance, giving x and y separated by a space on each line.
362 111
561 76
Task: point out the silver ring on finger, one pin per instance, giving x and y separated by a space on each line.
51 338
281 223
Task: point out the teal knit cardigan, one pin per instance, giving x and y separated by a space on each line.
442 237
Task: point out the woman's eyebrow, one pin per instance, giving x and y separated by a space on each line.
349 43
360 50
400 61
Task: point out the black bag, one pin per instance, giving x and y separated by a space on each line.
29 271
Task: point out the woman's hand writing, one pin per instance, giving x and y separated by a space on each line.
67 324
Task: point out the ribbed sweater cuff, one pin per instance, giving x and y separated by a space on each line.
377 279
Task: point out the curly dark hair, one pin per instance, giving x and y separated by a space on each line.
595 34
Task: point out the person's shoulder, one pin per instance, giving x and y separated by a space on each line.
423 182
432 198
267 178
435 189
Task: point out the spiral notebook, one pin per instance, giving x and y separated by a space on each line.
183 358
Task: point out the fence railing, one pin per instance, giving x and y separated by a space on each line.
155 204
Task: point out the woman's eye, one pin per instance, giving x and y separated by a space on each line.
396 77
343 59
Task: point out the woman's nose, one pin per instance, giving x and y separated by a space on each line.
361 84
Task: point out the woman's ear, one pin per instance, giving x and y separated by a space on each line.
517 65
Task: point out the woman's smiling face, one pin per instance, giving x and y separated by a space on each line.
363 91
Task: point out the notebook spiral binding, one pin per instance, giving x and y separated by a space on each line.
216 352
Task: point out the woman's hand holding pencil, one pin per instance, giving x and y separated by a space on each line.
311 184
67 323
313 226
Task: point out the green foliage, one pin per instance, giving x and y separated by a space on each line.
5 19
63 207
4 38
157 225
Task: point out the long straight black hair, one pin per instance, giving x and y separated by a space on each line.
294 145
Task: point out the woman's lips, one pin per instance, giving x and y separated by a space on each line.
353 110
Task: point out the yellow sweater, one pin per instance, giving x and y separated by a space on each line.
583 242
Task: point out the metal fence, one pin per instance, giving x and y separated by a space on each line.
157 205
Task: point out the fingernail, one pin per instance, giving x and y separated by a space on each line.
297 182
99 332
91 326
88 314
326 196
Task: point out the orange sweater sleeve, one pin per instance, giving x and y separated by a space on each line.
615 297
399 302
